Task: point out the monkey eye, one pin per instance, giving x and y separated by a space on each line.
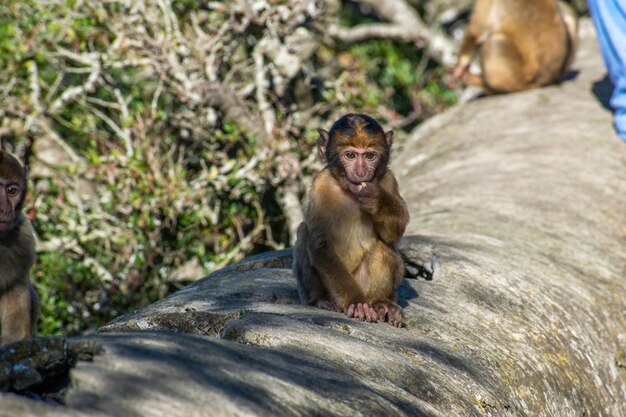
13 190
350 155
370 156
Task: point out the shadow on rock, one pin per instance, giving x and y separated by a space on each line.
603 89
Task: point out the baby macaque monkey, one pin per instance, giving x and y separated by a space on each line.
345 257
19 303
520 44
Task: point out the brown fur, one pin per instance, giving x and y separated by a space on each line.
345 256
521 44
19 303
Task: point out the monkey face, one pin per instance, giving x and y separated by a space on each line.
10 199
356 149
359 164
12 190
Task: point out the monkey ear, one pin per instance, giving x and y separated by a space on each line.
322 143
389 138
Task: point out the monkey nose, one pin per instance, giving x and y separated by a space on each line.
359 177
360 172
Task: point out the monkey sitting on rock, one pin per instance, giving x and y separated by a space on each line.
345 257
19 303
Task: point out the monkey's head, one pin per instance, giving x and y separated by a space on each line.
356 148
12 191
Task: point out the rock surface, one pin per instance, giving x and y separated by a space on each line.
519 227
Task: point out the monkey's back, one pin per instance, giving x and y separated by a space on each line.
539 33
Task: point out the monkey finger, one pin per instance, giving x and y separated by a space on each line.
366 312
371 190
361 311
370 313
351 310
393 321
353 188
382 310
395 316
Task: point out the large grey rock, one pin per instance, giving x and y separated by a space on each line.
519 229
205 306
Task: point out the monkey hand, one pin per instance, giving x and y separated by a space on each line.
461 68
368 195
459 73
363 312
391 313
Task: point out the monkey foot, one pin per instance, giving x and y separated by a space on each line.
391 313
362 311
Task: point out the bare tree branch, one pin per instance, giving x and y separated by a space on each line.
267 113
378 30
405 24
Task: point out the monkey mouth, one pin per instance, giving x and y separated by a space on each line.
359 181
